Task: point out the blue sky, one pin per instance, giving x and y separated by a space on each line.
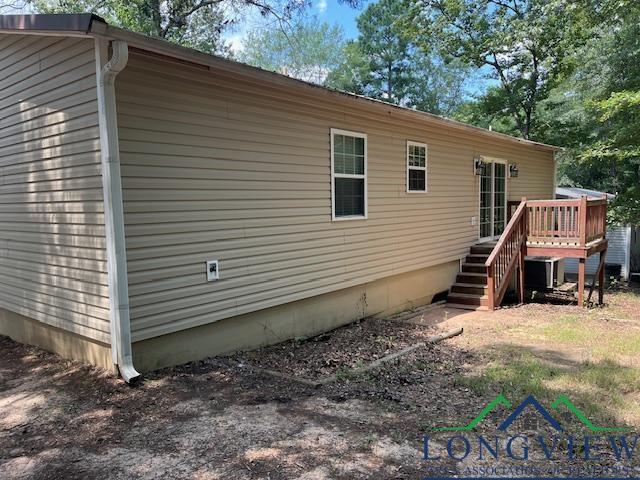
333 12
330 11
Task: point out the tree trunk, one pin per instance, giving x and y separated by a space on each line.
389 82
526 128
156 18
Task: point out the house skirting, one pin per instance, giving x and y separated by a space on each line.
66 344
299 319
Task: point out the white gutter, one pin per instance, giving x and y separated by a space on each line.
113 211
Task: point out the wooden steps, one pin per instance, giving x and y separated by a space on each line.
470 290
483 248
477 258
473 268
461 306
468 299
470 277
567 228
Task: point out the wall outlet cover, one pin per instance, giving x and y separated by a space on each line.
213 273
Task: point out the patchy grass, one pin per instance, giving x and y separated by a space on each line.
590 355
624 304
607 339
602 389
524 375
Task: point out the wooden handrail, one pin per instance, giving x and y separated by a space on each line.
515 218
501 261
575 202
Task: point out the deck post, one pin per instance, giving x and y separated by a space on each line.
603 255
582 223
491 285
581 279
523 248
604 216
521 273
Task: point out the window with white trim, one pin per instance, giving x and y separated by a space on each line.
416 167
348 175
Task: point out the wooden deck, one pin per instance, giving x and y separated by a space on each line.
572 228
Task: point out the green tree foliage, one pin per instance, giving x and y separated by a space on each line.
566 73
490 110
308 50
521 43
193 23
352 72
385 63
387 49
595 112
437 87
617 146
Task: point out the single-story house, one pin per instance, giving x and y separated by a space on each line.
160 205
624 240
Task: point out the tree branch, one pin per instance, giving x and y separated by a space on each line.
513 102
513 7
178 19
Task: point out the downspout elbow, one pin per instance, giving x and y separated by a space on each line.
117 62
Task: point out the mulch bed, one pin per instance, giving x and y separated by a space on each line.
340 350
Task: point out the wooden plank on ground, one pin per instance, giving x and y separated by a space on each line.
568 287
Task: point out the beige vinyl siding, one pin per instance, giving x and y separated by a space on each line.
224 167
535 176
52 239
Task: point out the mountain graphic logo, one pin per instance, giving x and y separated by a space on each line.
531 403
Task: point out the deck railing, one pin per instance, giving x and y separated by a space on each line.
596 220
542 223
570 222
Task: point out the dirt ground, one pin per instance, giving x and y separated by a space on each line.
341 351
222 419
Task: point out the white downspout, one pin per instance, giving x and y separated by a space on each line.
555 174
113 211
626 275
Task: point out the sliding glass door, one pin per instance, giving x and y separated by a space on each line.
493 200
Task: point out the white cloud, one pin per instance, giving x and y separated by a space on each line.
321 6
235 42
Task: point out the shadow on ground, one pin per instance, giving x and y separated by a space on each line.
218 419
